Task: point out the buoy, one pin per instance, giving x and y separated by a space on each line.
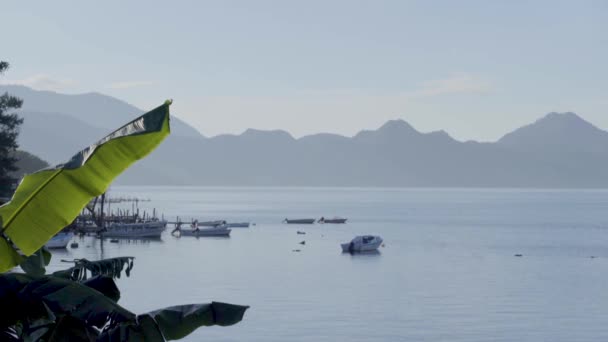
301 233
295 250
519 255
303 243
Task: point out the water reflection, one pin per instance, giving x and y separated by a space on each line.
367 254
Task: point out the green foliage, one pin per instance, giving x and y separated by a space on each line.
177 322
107 267
48 200
9 130
52 308
81 303
35 264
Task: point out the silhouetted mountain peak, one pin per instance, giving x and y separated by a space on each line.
556 129
275 134
396 126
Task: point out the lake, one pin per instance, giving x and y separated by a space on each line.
447 270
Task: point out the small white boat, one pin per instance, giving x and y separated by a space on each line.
237 225
149 229
364 243
299 221
211 223
211 231
61 240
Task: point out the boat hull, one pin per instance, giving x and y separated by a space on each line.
237 225
212 223
300 221
135 230
60 240
223 231
334 221
358 246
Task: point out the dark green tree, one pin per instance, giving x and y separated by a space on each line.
9 130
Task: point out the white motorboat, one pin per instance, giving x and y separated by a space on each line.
61 240
147 229
211 231
237 225
211 223
364 243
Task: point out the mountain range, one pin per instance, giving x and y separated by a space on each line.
558 150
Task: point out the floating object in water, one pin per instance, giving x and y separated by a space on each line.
147 229
295 250
303 243
299 221
301 233
61 240
211 231
211 223
519 255
74 245
364 243
335 220
237 225
114 240
593 257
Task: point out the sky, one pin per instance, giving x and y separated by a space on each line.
476 69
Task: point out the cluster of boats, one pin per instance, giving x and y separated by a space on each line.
152 227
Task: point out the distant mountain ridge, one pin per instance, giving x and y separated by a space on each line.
558 150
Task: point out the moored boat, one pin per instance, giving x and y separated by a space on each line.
299 221
212 231
335 220
237 225
211 223
61 240
364 243
148 229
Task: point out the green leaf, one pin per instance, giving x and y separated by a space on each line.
176 322
48 200
59 307
111 267
35 264
105 285
71 329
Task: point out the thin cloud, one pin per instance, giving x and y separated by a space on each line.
43 82
458 83
130 84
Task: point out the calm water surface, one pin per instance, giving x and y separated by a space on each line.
446 273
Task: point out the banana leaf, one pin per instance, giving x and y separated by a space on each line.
112 267
48 200
36 263
179 321
53 308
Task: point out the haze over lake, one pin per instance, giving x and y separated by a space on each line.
447 271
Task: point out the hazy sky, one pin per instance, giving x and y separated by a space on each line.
475 69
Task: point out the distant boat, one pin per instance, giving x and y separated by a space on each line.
237 225
213 231
336 220
211 223
365 243
148 229
299 221
61 240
